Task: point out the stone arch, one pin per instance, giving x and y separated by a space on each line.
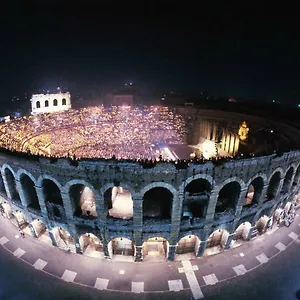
255 189
228 197
158 184
155 249
157 202
196 197
118 201
47 103
228 180
23 171
188 244
242 232
53 198
42 177
216 242
63 238
297 176
91 245
63 101
38 104
55 103
111 185
2 186
38 228
27 183
261 223
119 247
198 176
273 186
82 197
10 178
288 177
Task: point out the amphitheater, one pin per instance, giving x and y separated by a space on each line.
148 208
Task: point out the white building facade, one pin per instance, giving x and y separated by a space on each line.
50 103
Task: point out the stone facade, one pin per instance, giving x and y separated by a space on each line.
275 180
49 103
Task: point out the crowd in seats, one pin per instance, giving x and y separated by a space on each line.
95 132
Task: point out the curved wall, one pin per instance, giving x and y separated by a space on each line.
211 203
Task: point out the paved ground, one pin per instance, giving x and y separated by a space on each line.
274 261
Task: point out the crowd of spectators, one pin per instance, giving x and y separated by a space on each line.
96 132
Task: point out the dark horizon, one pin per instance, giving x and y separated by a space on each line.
224 51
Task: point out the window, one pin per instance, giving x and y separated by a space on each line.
46 103
64 101
38 104
55 102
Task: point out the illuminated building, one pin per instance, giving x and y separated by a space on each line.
49 103
136 210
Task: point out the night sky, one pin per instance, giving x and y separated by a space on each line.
222 50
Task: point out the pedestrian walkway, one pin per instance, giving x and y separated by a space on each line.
104 274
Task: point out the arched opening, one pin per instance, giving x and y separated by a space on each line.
55 102
53 199
29 191
155 249
12 186
19 220
254 192
273 186
118 203
187 247
216 242
241 234
296 177
287 181
228 197
121 249
64 101
196 199
6 210
36 228
91 245
46 103
261 224
157 203
2 187
38 104
83 200
63 239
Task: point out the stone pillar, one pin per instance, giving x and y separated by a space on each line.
250 233
262 195
240 203
202 248
21 194
279 187
211 206
52 237
6 186
41 199
291 182
75 238
137 220
176 218
99 205
138 253
32 230
171 253
228 242
68 209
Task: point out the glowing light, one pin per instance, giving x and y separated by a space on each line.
209 149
